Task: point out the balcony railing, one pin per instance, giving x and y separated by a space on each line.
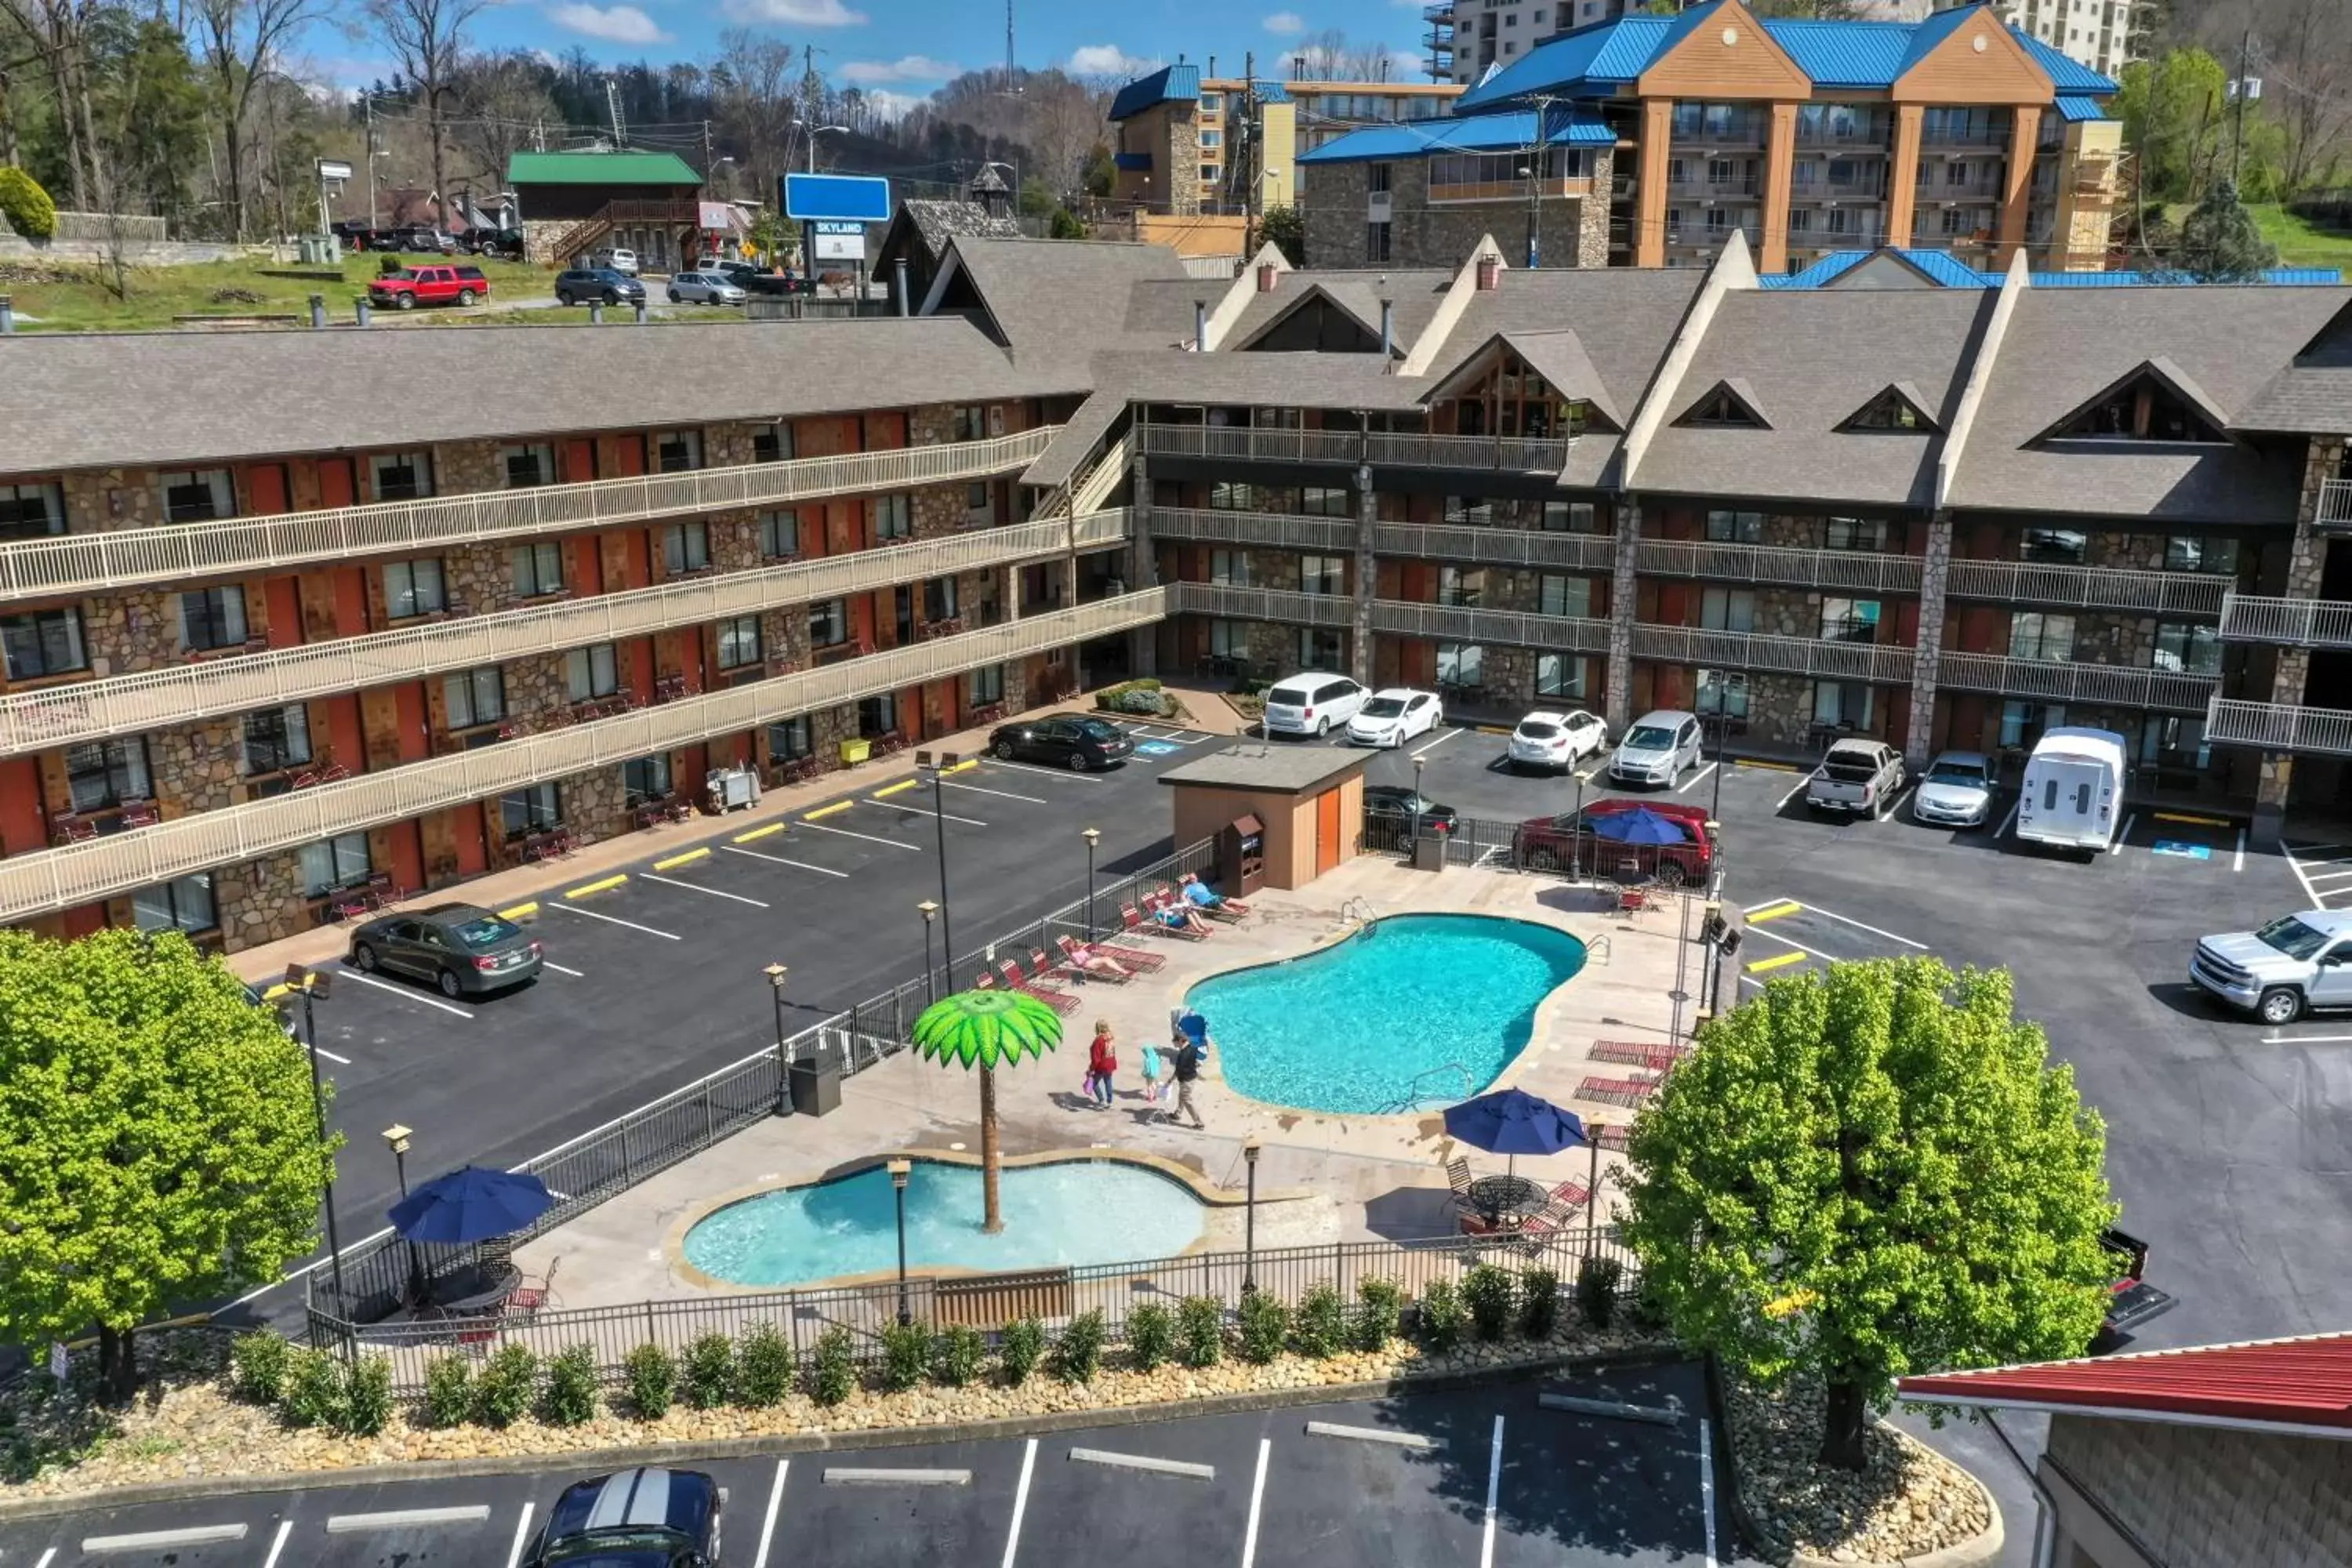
129 704
1887 664
61 878
88 562
1280 530
2089 587
1869 571
1502 628
1229 602
2299 623
1511 454
1496 546
2279 727
2051 681
2335 504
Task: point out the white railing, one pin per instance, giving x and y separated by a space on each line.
77 874
1865 571
1496 546
2055 680
1514 454
1280 605
1342 447
87 563
2335 504
1089 493
1886 664
1502 628
2090 588
2279 727
2302 623
1282 530
129 704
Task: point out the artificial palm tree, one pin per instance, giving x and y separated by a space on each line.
987 1029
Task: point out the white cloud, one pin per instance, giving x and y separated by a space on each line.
798 13
1108 59
906 67
1286 23
887 104
614 24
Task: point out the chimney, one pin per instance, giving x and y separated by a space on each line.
1213 66
318 311
902 285
1200 326
1388 330
1266 274
1490 273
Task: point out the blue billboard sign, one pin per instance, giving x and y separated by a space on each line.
843 198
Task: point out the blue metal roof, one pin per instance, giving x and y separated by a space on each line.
1840 53
1168 84
1927 33
2071 109
1476 133
2066 74
1270 91
1948 272
1602 56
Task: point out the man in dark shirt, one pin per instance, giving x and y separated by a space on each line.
1188 1073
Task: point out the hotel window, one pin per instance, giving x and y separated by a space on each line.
1230 496
1562 675
1953 221
987 685
828 624
879 715
2187 650
940 599
212 617
1801 221
1211 138
780 534
1322 574
1557 596
102 774
195 495
1728 609
1722 692
1320 501
1213 103
1460 664
1857 533
2201 553
1844 703
475 697
679 451
185 903
30 511
1376 242
1228 640
42 642
1849 620
893 517
967 422
340 862
592 671
2057 546
2033 633
976 498
685 547
2174 742
528 466
1321 649
2022 723
771 442
1570 517
645 778
1958 172
413 588
276 739
401 476
1229 568
1376 177
1463 587
1735 527
531 809
538 569
789 740
1466 509
738 642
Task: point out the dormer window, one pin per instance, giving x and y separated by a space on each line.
1897 408
1727 407
2154 403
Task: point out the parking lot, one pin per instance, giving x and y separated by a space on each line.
1484 1478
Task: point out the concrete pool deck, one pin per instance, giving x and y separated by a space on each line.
1357 1178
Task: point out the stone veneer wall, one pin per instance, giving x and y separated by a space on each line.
1572 231
537 684
2324 459
99 501
199 767
2199 1498
261 901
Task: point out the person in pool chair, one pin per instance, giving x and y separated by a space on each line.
1211 902
1177 915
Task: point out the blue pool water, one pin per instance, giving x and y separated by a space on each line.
1073 1212
1379 1021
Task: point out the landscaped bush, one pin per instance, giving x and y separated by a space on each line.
1379 1307
25 206
1139 696
1440 1315
1265 1327
1322 1324
763 1366
1489 1292
1538 1303
1151 1336
709 1370
509 1381
906 1350
572 1387
1596 1290
313 1391
1201 1332
367 1396
1019 1349
958 1354
652 1376
449 1391
1077 1352
833 1378
257 1366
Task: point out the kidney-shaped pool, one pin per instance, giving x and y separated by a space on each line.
1411 1011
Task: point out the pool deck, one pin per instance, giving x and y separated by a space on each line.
1337 1178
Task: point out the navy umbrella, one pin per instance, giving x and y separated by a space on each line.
471 1205
1639 826
1512 1122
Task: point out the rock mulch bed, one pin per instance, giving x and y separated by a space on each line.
1907 1501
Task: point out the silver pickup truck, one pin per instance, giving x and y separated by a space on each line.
1856 777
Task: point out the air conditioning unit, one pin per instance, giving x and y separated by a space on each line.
1378 209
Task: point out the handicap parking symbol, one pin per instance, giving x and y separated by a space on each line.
2185 851
1157 748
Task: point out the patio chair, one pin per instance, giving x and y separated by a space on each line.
1573 1196
1077 955
1458 1176
1155 922
67 827
1058 1000
1132 958
1074 961
535 1292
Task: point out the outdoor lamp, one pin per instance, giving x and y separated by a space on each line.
1093 836
899 1171
776 973
1249 1224
930 977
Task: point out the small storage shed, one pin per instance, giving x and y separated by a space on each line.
1308 801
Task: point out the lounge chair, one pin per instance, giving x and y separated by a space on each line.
1060 1001
1084 963
1150 921
1131 958
1171 914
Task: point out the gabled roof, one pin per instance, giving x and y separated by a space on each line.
1058 300
1558 356
1733 390
1901 392
2066 74
1928 33
934 222
2071 109
2300 1385
1839 53
1472 134
1599 58
2165 374
1168 84
600 169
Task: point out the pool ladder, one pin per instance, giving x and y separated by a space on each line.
1416 1093
1359 910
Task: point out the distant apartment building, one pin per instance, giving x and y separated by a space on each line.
1466 38
2097 33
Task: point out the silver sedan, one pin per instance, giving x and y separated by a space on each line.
703 288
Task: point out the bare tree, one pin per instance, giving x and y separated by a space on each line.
757 93
428 38
503 98
240 41
2305 60
1331 56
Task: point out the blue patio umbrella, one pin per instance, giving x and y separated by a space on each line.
1512 1122
1639 826
471 1205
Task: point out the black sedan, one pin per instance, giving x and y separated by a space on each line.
1391 810
1063 742
464 950
633 1519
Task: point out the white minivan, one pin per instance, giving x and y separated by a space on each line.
1311 704
2073 797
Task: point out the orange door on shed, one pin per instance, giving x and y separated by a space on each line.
1328 829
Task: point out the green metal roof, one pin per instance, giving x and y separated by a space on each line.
600 169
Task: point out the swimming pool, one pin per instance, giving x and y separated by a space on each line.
1380 1023
1069 1212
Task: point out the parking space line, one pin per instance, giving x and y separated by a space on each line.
918 811
341 1061
404 991
1001 794
2333 850
1792 794
867 1476
1685 787
1370 1434
1257 1502
1998 832
1707 1483
1800 947
405 1518
779 859
714 893
776 1502
522 1533
1778 960
1049 773
1150 1462
46 1558
1020 1501
575 973
1894 805
2329 876
2238 861
1494 1491
284 1529
2117 847
161 1540
1437 743
848 833
1874 930
1752 911
615 919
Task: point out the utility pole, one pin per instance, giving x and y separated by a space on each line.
367 101
1252 164
2244 91
1009 80
705 151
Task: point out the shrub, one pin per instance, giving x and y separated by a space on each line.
1201 1332
1538 1303
1596 1290
1019 1348
906 1347
1265 1327
572 1387
1077 1352
652 1374
1441 1315
1321 1328
257 1366
1487 1291
1379 1306
367 1396
502 1394
1150 1335
763 1366
313 1391
957 1356
25 206
833 1378
709 1370
449 1391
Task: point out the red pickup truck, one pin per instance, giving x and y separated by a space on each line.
413 285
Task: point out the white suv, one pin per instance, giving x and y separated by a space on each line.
1658 749
1311 704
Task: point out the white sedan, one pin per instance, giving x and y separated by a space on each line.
1549 740
708 288
1392 717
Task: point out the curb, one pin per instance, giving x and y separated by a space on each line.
1984 1549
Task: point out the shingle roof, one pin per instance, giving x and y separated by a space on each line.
1166 85
600 169
936 222
1471 134
1056 301
2303 1383
1413 294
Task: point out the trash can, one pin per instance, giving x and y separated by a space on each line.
856 751
816 1085
1429 852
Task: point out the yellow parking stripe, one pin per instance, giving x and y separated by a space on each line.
759 833
1774 912
894 789
691 854
275 992
964 767
1776 960
519 911
586 888
827 810
1769 766
2198 820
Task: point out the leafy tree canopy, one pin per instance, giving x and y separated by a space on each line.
1286 227
2220 242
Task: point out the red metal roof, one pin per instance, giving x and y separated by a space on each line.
2305 1382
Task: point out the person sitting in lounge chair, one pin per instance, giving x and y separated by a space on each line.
1093 964
1179 916
1209 902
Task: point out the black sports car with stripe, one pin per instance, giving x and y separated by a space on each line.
633 1519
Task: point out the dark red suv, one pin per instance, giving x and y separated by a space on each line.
1553 843
413 285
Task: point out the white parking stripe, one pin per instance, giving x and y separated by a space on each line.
2328 875
1791 941
1817 910
405 1518
614 920
2302 876
1049 773
779 859
161 1539
1895 805
692 888
999 793
776 1502
46 1558
404 991
918 811
1494 1491
852 833
1684 788
331 1056
1793 793
522 1534
284 1529
575 973
1020 1501
2238 861
1257 1500
1706 1484
1437 743
2117 847
2005 821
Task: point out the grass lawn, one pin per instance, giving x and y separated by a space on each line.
2301 243
81 301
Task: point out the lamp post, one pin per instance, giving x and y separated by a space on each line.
1591 1182
899 1171
1576 870
396 1136
312 985
1721 723
1418 764
1249 1219
1093 836
937 769
931 976
777 973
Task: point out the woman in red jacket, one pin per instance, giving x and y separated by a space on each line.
1102 1061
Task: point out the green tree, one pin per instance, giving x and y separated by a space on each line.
2174 120
157 1143
27 206
1065 224
1868 1174
1284 227
2219 241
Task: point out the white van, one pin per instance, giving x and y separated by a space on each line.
2074 791
1312 704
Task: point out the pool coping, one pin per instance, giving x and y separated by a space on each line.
1206 1193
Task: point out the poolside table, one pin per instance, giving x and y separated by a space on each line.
1506 1200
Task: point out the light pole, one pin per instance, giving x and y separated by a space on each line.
1576 869
777 973
1722 722
1249 1219
312 984
1093 836
899 1171
938 770
931 976
396 1136
1414 847
1592 1181
808 228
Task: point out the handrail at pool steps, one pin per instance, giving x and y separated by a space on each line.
1415 1095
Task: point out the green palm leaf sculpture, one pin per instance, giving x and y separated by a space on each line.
987 1029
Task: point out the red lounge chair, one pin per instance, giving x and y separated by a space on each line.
1060 1001
1625 1091
1136 959
1157 926
1127 960
1570 1194
1074 963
